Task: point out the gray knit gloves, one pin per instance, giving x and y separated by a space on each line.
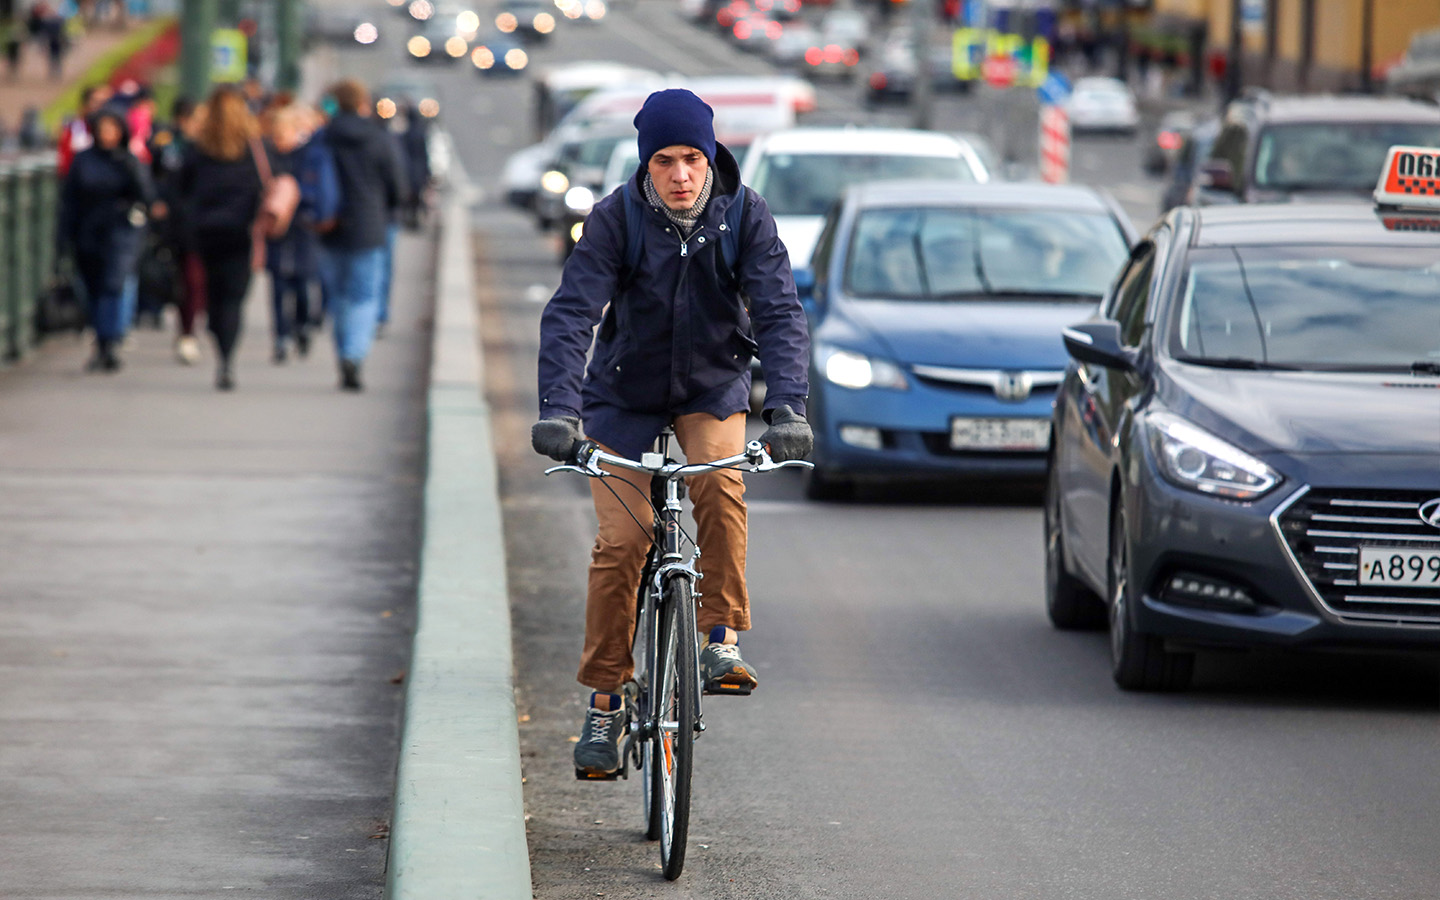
789 435
556 437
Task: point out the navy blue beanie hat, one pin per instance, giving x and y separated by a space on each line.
673 117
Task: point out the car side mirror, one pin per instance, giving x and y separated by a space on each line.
1098 343
1217 175
805 284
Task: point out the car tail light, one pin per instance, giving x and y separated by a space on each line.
852 56
1168 140
878 81
772 30
742 30
814 56
833 53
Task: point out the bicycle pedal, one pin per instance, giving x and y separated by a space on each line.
717 688
589 775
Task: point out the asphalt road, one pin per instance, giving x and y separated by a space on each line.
920 731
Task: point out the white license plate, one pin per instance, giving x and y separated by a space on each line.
999 434
1399 567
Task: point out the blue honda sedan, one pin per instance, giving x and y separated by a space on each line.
936 312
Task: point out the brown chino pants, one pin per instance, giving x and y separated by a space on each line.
621 546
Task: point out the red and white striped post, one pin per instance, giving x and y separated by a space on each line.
1054 144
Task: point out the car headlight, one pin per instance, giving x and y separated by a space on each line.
555 182
1192 458
579 200
856 370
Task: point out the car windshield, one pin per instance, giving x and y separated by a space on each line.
806 184
1342 308
952 254
1320 156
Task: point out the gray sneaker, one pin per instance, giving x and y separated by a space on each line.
598 753
724 672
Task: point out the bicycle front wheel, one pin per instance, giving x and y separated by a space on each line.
673 750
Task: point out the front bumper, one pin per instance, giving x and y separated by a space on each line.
914 429
1183 539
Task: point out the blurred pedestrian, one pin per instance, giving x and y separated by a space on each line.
75 133
169 148
12 40
416 143
292 258
354 250
105 202
220 184
396 204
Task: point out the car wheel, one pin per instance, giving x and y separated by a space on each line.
1139 662
822 486
1069 603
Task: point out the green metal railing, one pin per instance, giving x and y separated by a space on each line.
29 198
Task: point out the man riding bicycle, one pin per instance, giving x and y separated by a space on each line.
683 320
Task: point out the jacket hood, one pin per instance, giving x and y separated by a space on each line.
116 114
348 128
727 174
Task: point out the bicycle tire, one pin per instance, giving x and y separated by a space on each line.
675 741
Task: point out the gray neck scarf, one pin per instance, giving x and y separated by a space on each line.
687 218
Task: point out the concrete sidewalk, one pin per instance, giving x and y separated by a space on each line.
207 614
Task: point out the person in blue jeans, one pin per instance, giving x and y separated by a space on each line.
291 259
352 264
104 206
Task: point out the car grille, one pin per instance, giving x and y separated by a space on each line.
1325 530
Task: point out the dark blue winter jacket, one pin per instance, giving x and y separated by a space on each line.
677 336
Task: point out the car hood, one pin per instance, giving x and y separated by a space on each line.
961 334
1299 414
799 234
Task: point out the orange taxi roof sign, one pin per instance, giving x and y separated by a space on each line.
1411 177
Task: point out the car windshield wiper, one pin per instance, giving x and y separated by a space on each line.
1425 367
1238 362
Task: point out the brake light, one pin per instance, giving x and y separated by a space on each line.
813 56
833 53
878 81
1168 140
772 30
742 30
852 56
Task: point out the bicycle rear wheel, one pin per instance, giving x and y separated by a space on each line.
674 746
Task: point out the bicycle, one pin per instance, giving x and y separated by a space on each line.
663 701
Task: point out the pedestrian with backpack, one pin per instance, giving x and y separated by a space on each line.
687 279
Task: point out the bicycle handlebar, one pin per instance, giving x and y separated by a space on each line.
588 456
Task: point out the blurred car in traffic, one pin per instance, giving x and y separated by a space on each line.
342 27
891 77
559 89
935 312
531 20
788 50
1246 450
1169 137
1417 74
497 53
1102 104
437 40
1184 177
801 172
578 162
405 89
1280 148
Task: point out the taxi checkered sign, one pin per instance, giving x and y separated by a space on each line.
1411 177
